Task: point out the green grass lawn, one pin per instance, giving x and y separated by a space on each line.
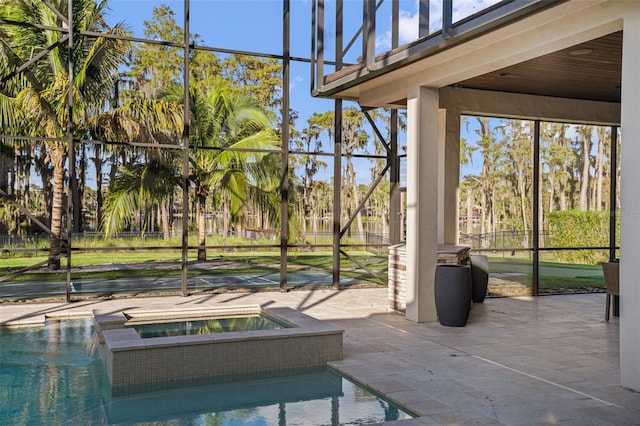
140 262
552 275
148 263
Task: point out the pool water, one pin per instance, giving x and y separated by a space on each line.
206 326
47 377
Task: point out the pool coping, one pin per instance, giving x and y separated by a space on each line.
124 339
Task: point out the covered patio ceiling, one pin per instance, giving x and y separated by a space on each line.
589 71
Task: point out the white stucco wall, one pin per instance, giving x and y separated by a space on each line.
630 205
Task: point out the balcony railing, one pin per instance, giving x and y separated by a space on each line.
352 42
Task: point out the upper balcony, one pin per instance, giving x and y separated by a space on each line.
362 49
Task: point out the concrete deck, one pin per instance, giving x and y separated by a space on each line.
548 360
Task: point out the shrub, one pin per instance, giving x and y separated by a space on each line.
577 228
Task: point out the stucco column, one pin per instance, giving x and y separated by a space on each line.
630 205
422 202
448 175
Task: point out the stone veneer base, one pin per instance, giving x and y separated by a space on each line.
136 365
397 284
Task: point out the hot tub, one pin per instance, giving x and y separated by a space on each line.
135 364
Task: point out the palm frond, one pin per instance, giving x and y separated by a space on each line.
119 209
8 111
234 184
139 119
135 185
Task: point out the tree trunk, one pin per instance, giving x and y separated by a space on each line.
356 197
303 211
58 157
240 227
201 205
600 166
571 191
79 177
27 183
523 205
585 133
164 219
314 223
97 161
214 226
486 176
16 176
483 215
74 193
552 187
303 226
5 170
225 218
47 189
384 209
563 196
469 210
494 213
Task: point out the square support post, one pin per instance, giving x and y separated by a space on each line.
448 175
395 201
630 203
422 202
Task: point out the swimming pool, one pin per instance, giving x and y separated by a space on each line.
49 378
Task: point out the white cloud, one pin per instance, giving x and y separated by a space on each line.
407 31
464 8
383 42
408 20
293 82
407 27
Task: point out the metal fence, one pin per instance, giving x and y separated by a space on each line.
375 242
502 240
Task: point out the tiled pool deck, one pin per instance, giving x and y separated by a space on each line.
549 360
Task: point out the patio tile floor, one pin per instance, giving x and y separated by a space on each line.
519 361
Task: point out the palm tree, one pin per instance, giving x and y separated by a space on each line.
149 178
40 91
225 128
139 185
229 142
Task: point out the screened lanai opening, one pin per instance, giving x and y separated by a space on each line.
171 166
544 208
149 184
